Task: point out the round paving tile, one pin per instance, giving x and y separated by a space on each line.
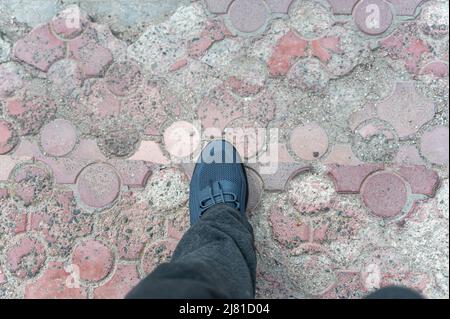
248 15
435 145
32 184
181 139
69 23
94 260
26 257
98 185
309 142
8 137
385 194
373 16
58 137
123 77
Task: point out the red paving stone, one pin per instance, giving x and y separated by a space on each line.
435 146
83 128
40 48
98 185
94 259
55 283
385 194
26 257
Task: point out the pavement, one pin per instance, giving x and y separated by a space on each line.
340 108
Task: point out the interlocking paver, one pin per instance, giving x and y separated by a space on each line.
248 15
40 48
406 110
26 257
434 145
93 192
373 16
52 284
385 194
58 137
98 185
309 141
94 259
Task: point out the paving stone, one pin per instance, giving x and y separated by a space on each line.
25 257
55 283
40 48
181 139
123 77
310 19
135 227
94 259
69 23
279 6
214 31
421 179
348 179
309 142
344 7
31 113
434 145
248 15
286 230
289 47
218 6
385 194
324 47
93 58
32 184
409 155
247 136
405 45
5 49
373 17
8 137
7 164
156 254
178 224
58 137
150 151
348 286
405 109
99 102
10 79
98 185
61 217
342 154
164 184
123 280
368 112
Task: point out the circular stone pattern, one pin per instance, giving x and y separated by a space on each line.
98 185
94 260
123 77
384 194
248 15
26 257
8 137
32 184
373 16
156 254
309 141
58 137
435 145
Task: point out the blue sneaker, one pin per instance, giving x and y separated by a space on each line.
219 177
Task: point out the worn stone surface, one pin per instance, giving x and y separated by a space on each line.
339 109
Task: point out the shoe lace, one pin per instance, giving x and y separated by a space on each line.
220 197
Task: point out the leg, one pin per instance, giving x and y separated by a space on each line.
215 259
